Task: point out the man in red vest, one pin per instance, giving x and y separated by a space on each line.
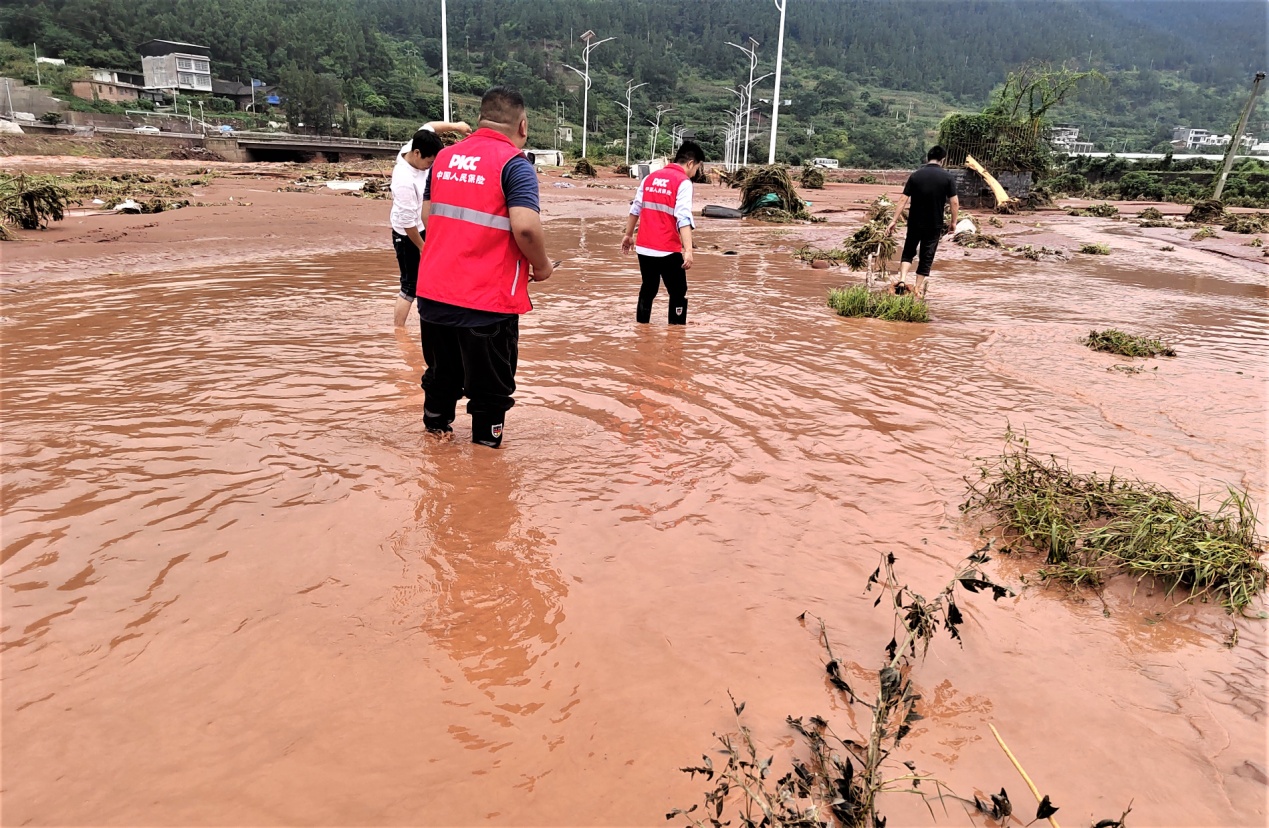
484 245
663 211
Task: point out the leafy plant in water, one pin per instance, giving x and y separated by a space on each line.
1204 232
839 781
1095 249
1117 342
31 202
1089 527
860 300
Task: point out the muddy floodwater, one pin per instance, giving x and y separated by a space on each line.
240 587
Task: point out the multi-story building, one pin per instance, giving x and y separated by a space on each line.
185 67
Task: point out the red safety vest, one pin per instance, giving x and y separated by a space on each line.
471 258
658 228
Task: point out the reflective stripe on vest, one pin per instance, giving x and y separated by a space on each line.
474 216
660 208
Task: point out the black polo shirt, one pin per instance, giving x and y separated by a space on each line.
928 190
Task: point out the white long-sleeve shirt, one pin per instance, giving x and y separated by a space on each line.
682 212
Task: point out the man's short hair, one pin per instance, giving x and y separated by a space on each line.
427 142
936 153
502 105
689 151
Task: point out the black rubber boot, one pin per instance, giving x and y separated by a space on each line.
643 313
438 422
678 311
486 429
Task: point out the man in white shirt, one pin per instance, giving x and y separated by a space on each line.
409 183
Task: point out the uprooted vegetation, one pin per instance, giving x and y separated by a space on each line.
768 194
1115 341
1090 527
1095 249
842 780
30 202
860 300
1103 210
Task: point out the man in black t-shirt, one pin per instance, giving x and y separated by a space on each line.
929 188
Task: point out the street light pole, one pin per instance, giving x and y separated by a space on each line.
656 129
775 99
630 88
1236 139
445 62
586 36
752 53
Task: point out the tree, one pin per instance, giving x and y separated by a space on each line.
1032 90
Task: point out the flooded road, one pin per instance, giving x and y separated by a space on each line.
240 587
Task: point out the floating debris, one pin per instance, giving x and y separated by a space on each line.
1089 527
1103 210
1210 210
1095 249
859 300
1118 342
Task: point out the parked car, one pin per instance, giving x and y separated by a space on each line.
146 129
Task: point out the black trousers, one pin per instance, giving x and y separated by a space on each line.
928 240
478 363
408 255
658 269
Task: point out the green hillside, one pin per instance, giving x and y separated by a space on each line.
868 79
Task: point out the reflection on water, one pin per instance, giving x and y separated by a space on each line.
236 572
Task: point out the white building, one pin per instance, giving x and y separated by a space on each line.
168 64
1066 138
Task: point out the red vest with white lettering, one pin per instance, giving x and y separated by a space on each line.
471 258
658 228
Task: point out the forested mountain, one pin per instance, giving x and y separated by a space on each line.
1167 59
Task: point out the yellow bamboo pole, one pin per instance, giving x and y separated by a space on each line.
1034 791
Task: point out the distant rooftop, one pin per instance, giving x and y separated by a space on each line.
158 48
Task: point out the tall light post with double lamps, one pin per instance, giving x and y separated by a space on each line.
631 86
587 36
775 98
751 52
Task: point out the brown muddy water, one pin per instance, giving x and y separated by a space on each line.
240 588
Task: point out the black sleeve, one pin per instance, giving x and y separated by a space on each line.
907 187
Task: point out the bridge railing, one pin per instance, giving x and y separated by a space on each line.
311 140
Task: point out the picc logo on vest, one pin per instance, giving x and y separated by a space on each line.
463 162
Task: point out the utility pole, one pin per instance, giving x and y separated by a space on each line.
36 52
445 61
631 86
1236 139
775 98
587 36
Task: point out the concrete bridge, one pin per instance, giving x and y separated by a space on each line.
273 146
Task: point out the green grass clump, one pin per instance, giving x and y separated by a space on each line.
1089 527
858 300
1095 249
1118 342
